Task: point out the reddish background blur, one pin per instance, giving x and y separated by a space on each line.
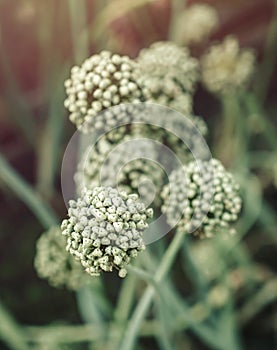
36 47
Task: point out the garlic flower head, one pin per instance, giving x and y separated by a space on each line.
53 263
102 81
226 67
202 198
104 229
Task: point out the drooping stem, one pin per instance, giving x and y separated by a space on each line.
25 192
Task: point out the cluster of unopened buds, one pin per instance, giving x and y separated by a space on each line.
104 229
106 224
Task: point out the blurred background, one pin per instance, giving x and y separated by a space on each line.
39 42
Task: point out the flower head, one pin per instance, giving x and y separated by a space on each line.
197 22
54 263
192 128
129 165
202 198
182 134
169 73
102 81
226 67
104 229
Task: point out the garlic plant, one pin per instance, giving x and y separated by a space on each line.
105 224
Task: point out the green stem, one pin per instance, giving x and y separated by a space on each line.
25 192
10 332
20 110
267 127
177 7
51 139
164 337
122 311
78 19
126 298
228 145
79 333
140 312
142 274
266 295
268 64
228 328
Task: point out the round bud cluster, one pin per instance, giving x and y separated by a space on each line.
129 166
196 23
226 67
104 229
54 263
201 197
169 73
118 120
170 123
192 129
102 81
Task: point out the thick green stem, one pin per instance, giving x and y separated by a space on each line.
123 307
140 312
177 7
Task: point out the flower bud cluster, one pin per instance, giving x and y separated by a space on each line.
133 165
192 129
202 197
102 81
169 73
104 229
226 67
54 263
197 23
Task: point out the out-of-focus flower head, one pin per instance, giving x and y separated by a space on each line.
226 67
169 73
192 128
202 198
54 263
167 124
197 23
129 166
104 229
